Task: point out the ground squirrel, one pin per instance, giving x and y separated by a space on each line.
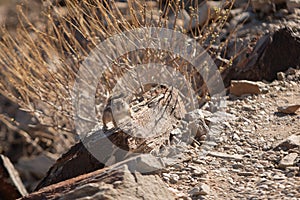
116 111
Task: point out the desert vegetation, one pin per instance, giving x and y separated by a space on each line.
40 59
254 45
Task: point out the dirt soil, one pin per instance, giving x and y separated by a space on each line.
250 167
247 161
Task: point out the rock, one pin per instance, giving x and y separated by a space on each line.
201 189
109 183
237 166
290 71
236 137
246 173
292 4
236 11
241 3
204 189
203 14
280 76
248 108
292 109
292 171
288 160
194 115
33 169
239 88
11 184
236 48
279 53
184 20
174 178
264 6
199 172
244 17
291 142
64 168
123 7
220 116
166 177
273 53
145 163
225 156
37 166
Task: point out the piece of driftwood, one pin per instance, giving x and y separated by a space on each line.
11 186
114 182
159 104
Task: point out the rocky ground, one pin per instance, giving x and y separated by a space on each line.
254 157
256 153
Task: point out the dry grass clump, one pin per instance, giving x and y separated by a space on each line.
40 60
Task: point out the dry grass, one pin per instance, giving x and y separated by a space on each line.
40 61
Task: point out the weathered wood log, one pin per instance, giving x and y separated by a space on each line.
273 53
11 186
105 147
114 182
